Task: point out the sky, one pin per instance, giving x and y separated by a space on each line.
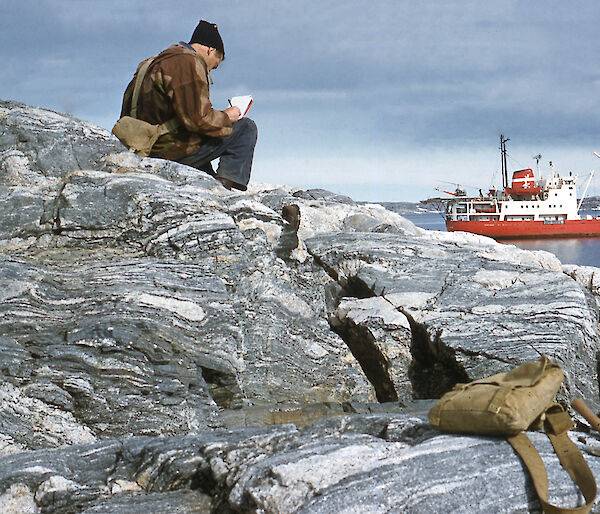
384 100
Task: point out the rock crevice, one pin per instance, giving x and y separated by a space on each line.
373 362
434 369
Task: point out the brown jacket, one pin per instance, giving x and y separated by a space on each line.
176 84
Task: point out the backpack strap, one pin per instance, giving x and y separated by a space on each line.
558 422
167 126
139 77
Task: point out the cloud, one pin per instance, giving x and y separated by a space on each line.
384 86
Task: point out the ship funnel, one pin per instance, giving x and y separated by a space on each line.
523 183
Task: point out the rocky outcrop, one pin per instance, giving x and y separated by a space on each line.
473 307
376 463
138 298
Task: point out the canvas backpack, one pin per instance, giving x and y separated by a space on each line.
137 135
506 404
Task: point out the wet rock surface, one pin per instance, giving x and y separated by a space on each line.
168 345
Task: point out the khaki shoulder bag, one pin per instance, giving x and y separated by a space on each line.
506 404
137 135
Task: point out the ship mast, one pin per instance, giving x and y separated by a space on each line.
503 160
537 164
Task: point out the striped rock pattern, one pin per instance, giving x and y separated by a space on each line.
376 463
472 311
138 298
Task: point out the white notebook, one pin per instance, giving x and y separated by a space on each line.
243 102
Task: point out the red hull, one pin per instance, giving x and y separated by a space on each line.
527 229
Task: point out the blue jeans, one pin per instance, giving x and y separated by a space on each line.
235 151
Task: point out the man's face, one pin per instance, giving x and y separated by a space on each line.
213 59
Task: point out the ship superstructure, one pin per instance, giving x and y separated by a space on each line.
527 207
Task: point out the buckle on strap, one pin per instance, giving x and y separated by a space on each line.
558 420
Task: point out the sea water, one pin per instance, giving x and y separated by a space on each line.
582 251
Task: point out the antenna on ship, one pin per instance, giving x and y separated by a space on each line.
538 158
503 159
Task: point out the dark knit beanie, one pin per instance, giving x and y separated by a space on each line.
207 34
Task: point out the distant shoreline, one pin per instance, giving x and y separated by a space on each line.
406 207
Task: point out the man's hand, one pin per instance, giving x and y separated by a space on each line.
233 113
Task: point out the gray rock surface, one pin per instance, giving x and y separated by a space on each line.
376 463
472 311
158 334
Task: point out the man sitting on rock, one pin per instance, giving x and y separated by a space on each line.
176 85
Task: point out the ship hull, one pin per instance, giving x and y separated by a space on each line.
527 229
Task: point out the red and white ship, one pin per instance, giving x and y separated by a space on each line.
529 207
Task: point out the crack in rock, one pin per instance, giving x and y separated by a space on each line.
434 370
